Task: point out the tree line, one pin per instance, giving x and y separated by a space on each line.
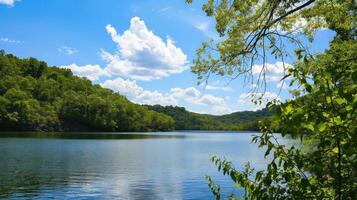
36 97
237 121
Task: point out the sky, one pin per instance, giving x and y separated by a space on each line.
141 49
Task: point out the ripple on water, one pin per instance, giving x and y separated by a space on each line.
132 168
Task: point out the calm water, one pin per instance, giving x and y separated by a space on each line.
141 167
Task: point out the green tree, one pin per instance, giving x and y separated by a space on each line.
35 97
324 113
33 67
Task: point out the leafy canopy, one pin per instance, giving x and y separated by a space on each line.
323 113
252 29
35 97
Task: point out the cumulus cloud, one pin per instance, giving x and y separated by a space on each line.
211 100
136 93
274 72
213 104
201 103
216 85
142 55
220 110
10 40
92 72
155 97
246 100
125 87
8 2
189 92
176 96
212 87
67 50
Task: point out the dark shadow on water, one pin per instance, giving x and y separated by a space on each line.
27 185
86 135
143 190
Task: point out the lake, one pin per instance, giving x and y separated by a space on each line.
125 166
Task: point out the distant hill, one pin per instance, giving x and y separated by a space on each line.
186 120
242 116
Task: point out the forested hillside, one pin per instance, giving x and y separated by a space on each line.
185 120
36 97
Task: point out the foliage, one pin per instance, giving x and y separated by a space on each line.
245 120
322 116
252 29
34 96
328 169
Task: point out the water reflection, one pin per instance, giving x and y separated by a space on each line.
87 135
170 167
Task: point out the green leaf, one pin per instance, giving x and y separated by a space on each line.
310 127
337 120
322 127
335 150
288 109
341 101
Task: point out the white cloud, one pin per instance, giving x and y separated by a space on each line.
211 100
8 2
216 85
142 55
136 93
212 87
246 100
220 110
300 24
155 97
92 72
274 72
282 85
10 40
200 22
176 96
212 104
189 92
202 25
67 50
124 87
206 99
201 103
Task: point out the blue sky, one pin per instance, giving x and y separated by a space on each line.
141 49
